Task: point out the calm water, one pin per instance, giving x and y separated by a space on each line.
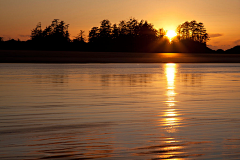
120 111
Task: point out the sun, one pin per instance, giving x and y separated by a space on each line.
170 34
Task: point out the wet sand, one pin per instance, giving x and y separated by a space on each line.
29 56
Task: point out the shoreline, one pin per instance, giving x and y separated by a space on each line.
35 56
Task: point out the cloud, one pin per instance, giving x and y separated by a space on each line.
237 41
6 37
216 42
216 47
24 35
213 47
214 35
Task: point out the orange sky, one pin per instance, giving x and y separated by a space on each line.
220 17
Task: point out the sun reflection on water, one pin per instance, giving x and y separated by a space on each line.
170 113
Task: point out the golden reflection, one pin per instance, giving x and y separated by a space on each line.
170 69
170 113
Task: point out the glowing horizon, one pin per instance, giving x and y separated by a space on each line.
20 17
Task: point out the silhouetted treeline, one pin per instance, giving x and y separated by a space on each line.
53 36
192 31
127 36
131 36
135 36
56 37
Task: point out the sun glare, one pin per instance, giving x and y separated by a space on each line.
170 34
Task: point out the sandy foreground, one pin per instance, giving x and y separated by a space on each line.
29 56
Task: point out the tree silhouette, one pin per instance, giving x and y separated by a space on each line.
115 31
93 35
37 33
130 35
52 37
79 42
57 31
192 31
161 33
80 37
105 30
192 37
126 36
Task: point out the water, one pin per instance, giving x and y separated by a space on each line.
119 111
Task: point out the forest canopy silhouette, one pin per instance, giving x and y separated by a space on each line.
126 36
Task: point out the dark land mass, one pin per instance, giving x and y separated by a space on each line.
235 50
130 41
32 56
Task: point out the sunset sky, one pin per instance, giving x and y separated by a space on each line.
220 17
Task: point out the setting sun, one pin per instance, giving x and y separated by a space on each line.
170 34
